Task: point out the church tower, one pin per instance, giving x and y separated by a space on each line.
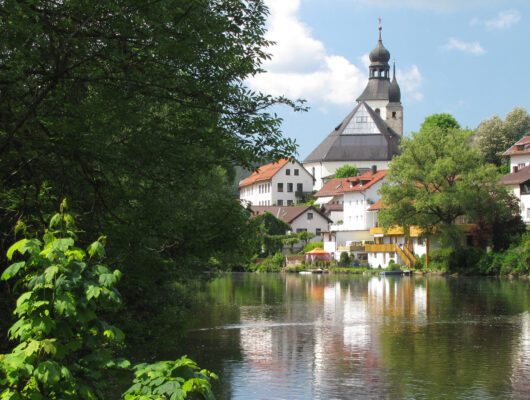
381 94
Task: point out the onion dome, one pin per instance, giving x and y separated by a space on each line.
380 54
394 92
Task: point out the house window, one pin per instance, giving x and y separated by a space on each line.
528 213
296 172
313 171
525 188
301 230
299 187
280 202
309 215
289 202
520 166
289 187
394 114
318 232
287 171
280 187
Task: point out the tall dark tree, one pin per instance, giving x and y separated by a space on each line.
135 111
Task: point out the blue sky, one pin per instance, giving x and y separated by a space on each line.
470 58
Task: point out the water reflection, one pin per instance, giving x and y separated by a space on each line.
303 337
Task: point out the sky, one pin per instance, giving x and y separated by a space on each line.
470 58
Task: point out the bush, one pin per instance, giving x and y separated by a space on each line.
392 266
311 246
271 264
344 260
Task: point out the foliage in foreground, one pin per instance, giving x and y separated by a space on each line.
65 349
346 171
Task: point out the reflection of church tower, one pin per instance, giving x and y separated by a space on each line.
381 94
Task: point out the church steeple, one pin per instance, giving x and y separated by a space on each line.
379 57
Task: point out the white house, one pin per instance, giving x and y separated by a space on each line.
282 183
370 134
299 218
519 154
356 195
518 181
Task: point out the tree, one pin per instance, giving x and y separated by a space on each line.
438 177
494 136
137 112
346 171
442 121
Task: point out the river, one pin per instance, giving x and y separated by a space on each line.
273 336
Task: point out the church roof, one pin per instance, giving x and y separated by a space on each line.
376 89
373 141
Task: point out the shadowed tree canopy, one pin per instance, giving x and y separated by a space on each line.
136 112
439 177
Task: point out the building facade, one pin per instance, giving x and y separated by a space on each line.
518 181
283 183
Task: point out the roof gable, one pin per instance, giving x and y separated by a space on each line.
361 136
521 147
287 214
264 173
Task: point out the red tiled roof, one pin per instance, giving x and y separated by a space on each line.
517 178
332 188
519 148
352 184
264 173
287 214
378 205
364 181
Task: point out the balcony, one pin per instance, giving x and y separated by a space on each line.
351 247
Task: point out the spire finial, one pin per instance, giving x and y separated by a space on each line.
394 70
380 27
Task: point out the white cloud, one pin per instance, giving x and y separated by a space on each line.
504 20
410 82
302 67
466 47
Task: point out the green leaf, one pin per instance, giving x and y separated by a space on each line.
12 270
50 273
96 248
48 372
22 246
55 220
107 280
93 292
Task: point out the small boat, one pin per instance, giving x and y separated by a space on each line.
305 272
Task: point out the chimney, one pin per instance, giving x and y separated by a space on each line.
515 169
374 169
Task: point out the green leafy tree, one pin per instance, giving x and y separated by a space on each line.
346 171
494 136
444 121
65 349
137 112
438 177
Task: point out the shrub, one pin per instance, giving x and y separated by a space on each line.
344 260
65 349
311 246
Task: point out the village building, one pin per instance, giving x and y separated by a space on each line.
518 181
370 134
299 218
283 183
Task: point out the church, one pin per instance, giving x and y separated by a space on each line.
370 134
